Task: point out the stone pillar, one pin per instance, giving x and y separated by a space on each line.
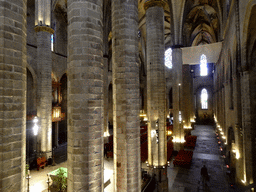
13 58
246 126
127 168
105 98
239 156
186 96
156 91
85 92
57 133
44 69
178 132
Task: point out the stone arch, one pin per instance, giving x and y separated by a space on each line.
244 40
63 124
201 33
252 84
31 94
198 15
33 73
31 112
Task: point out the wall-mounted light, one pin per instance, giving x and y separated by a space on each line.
180 119
106 134
157 133
169 132
237 154
153 133
178 140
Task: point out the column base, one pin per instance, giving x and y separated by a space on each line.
178 146
160 175
161 179
47 155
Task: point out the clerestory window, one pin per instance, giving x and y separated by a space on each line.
52 41
203 66
168 58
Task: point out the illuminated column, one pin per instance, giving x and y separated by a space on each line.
44 69
85 92
178 131
247 127
156 91
13 59
127 166
105 97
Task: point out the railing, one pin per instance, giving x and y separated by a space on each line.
150 185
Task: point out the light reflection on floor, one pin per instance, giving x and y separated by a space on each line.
38 178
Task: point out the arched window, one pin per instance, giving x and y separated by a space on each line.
168 58
52 40
203 66
204 99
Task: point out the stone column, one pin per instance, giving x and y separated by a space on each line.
126 96
85 92
44 69
178 132
13 58
105 98
156 91
57 133
246 126
186 96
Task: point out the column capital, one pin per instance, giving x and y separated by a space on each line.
153 3
39 28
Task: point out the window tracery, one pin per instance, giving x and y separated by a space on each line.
168 58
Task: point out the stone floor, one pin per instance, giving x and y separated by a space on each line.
206 153
179 179
38 178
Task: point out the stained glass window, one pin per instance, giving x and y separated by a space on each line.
168 58
204 99
203 66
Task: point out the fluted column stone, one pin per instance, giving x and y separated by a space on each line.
127 166
85 96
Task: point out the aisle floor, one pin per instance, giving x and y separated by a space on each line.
179 179
207 153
